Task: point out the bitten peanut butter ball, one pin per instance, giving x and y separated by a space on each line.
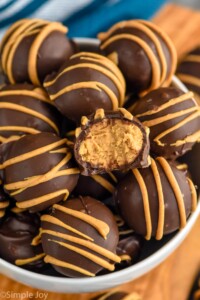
173 118
87 81
111 140
157 200
143 52
32 49
79 237
26 109
188 72
39 171
18 239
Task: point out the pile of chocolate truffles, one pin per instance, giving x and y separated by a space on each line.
89 143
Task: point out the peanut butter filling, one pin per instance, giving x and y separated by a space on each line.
111 143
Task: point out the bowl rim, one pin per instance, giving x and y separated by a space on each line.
154 259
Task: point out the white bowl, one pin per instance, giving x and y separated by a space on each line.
157 251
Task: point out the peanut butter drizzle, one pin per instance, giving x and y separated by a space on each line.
97 260
95 67
29 111
145 199
25 261
189 139
33 52
177 126
56 221
17 210
192 58
36 201
2 213
185 97
38 179
108 294
4 204
88 85
19 128
38 95
193 193
168 117
88 244
113 177
10 139
99 225
52 260
182 167
161 203
33 153
125 257
120 222
94 57
103 182
136 24
149 52
189 79
176 189
37 239
171 49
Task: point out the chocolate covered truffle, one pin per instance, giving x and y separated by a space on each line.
143 52
39 171
117 295
80 237
157 200
111 140
86 82
188 71
173 118
129 246
32 49
97 186
26 109
18 241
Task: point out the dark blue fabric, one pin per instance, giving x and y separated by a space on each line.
7 5
103 14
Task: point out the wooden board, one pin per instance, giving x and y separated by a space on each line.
171 280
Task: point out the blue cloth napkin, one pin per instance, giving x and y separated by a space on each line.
85 18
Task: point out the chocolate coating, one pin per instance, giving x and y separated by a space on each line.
25 53
26 109
111 140
129 246
39 171
86 207
173 118
86 82
145 54
156 200
4 203
188 71
96 186
16 234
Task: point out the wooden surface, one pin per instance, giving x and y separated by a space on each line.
172 280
